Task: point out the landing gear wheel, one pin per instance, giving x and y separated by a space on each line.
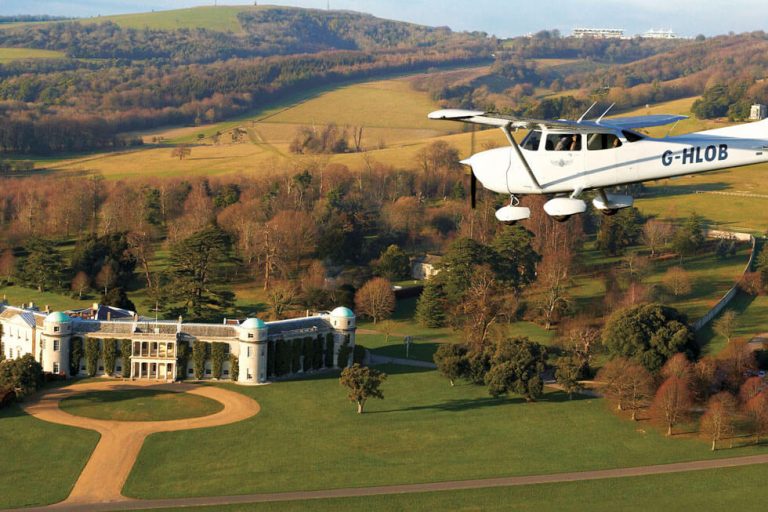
510 223
561 218
609 212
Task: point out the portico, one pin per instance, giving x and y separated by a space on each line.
153 360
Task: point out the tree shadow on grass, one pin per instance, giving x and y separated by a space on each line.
116 395
466 404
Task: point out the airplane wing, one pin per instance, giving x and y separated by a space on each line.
502 121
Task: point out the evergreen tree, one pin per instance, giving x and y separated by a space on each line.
43 267
430 308
394 264
515 261
198 266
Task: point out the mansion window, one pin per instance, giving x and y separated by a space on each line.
56 346
55 367
56 329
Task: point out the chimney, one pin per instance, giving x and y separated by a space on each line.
47 308
180 319
109 316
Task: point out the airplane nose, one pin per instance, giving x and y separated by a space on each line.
466 161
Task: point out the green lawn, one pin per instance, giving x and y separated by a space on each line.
751 320
221 18
722 489
39 461
308 436
139 405
18 295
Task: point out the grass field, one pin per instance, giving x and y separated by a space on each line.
220 18
39 461
18 295
722 489
139 405
11 54
308 436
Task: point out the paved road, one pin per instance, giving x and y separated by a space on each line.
105 473
406 489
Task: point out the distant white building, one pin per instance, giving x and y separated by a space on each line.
758 112
660 34
598 33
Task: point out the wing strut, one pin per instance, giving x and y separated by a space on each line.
508 132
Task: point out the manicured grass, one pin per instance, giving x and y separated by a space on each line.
139 405
11 54
751 320
721 489
39 461
18 295
308 436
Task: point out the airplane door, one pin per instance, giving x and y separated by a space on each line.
563 160
601 158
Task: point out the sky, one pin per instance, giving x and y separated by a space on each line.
502 18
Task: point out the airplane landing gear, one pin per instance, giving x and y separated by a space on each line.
609 212
561 218
509 215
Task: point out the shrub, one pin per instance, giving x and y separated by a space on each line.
296 354
329 350
358 354
283 358
307 352
317 353
271 358
344 350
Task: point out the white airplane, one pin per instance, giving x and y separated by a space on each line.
566 158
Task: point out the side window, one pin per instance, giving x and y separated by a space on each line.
601 141
532 140
632 136
563 142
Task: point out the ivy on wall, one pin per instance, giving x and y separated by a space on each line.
234 367
329 350
307 353
296 344
317 353
358 354
199 355
92 349
344 351
283 358
125 352
182 358
110 355
217 358
75 355
271 358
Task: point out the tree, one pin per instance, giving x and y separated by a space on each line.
23 375
515 258
677 281
717 421
672 402
80 283
375 299
181 152
198 266
430 308
516 367
619 231
7 266
568 373
649 334
726 325
451 361
736 361
756 409
656 233
199 356
627 383
481 305
394 264
281 297
581 341
43 267
553 274
362 383
689 237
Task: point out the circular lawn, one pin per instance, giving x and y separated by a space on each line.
139 405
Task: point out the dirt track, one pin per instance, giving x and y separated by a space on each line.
105 473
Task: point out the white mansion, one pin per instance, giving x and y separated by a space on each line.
249 352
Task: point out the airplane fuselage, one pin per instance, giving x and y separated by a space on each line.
623 157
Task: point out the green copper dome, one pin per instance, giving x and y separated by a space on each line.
253 323
342 312
58 317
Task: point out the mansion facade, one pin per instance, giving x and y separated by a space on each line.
250 352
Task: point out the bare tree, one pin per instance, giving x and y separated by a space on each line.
281 297
553 272
106 277
181 152
672 402
757 412
736 361
677 281
627 383
7 265
482 304
717 421
80 283
656 233
375 299
726 325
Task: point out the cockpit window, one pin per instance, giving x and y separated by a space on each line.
600 141
563 142
632 136
532 140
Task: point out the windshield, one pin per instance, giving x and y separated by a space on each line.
532 140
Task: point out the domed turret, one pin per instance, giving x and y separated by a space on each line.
57 323
59 317
342 318
253 330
